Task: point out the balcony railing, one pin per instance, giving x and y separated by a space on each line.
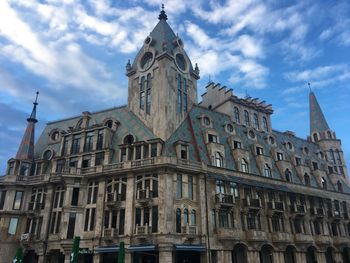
110 233
189 230
299 209
144 194
277 206
35 206
224 199
252 203
113 198
143 230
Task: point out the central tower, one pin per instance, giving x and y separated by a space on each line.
162 84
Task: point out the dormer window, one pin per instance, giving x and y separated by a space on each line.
288 175
55 136
76 144
206 121
315 165
184 152
237 145
11 168
267 170
307 180
259 150
24 170
218 160
212 138
298 161
154 151
324 183
109 124
279 156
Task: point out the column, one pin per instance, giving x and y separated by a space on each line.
224 256
300 256
278 257
127 257
130 204
253 256
320 257
97 258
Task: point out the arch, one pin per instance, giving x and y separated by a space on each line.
290 254
311 255
186 216
265 124
129 139
346 254
315 136
266 254
239 253
329 254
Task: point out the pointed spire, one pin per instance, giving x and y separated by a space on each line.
162 15
318 122
26 148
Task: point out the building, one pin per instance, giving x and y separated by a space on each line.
177 180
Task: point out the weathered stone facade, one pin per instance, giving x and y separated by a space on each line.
175 180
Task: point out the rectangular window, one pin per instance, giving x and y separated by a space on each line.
99 144
154 219
123 155
179 186
183 154
99 158
148 101
73 162
88 141
212 138
298 161
13 226
2 199
18 200
259 151
86 161
89 219
38 168
138 152
60 165
71 225
237 145
92 193
121 221
76 144
190 187
75 196
280 156
138 217
154 150
315 165
65 146
58 222
24 170
145 151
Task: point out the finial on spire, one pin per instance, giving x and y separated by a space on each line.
309 86
162 15
32 117
128 66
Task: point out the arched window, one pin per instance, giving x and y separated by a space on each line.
236 115
329 134
129 139
256 121
324 183
142 93
178 220
185 217
338 156
246 118
193 218
218 160
332 156
340 186
315 137
266 126
244 166
307 179
184 95
148 94
288 175
179 93
267 170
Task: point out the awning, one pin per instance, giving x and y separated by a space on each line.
190 247
110 249
245 181
137 248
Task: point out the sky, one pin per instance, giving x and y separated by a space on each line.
74 53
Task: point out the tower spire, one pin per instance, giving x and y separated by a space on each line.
162 15
318 122
26 148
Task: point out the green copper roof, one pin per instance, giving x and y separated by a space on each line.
318 122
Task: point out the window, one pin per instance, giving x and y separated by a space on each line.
100 135
147 186
237 145
71 225
279 156
89 219
109 124
154 152
338 156
55 222
271 140
339 186
24 170
220 187
298 161
179 94
256 121
251 221
229 128
212 138
11 168
75 144
288 175
99 158
148 94
73 162
13 226
142 93
2 199
179 186
86 161
234 189
75 196
190 187
246 118
18 200
307 179
259 151
183 153
138 152
92 192
225 218
149 215
236 115
218 160
265 124
116 189
178 220
244 166
88 142
58 198
193 218
315 165
186 217
324 183
65 146
184 95
267 170
61 163
315 137
206 121
121 221
275 220
289 146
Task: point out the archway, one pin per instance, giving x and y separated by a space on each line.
266 254
289 254
30 257
239 253
346 255
311 255
330 255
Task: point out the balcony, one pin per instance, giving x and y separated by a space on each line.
189 230
142 162
281 237
110 233
143 230
229 234
224 200
322 240
27 237
303 238
251 203
256 235
275 206
113 199
35 207
346 215
144 196
340 240
317 212
297 209
334 214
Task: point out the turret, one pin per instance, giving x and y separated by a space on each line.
22 164
162 82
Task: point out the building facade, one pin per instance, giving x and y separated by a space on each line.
177 180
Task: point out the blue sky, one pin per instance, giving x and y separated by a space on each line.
75 51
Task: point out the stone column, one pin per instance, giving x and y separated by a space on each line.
127 257
300 256
129 205
278 257
253 256
97 258
224 256
100 208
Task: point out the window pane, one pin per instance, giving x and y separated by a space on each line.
13 226
18 200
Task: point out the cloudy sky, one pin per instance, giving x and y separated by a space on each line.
75 51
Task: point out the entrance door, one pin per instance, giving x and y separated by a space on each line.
146 257
188 257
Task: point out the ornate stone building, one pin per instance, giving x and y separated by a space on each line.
177 180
